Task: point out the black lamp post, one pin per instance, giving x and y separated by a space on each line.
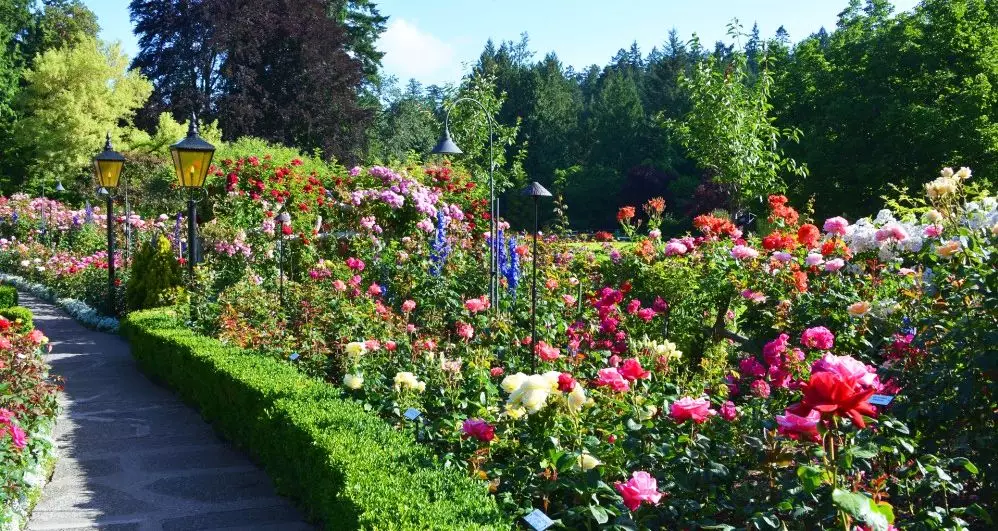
191 160
446 146
536 191
108 165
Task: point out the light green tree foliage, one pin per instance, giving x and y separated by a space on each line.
728 130
155 275
168 132
469 125
73 96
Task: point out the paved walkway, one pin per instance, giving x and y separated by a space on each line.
132 456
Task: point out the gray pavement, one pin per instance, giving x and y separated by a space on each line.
132 456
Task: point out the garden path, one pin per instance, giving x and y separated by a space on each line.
132 456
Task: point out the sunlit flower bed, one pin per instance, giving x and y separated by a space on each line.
832 374
27 413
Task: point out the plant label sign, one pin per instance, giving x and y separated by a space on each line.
881 400
294 356
537 520
412 413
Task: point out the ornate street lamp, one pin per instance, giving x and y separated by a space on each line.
536 191
59 188
107 166
284 218
446 146
191 160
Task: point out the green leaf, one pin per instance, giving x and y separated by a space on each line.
811 477
861 507
599 514
883 508
966 464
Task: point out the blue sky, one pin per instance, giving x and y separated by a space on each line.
434 40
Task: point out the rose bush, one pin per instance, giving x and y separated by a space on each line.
717 379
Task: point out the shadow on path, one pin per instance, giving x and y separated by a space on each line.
132 456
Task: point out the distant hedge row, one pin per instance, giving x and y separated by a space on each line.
346 466
10 309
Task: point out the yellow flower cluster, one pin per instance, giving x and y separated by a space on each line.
408 381
947 183
529 394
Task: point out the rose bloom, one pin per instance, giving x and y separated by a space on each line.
933 231
374 290
859 309
751 367
948 249
408 306
808 235
546 352
641 488
391 345
476 305
674 248
646 314
497 371
551 284
836 226
728 411
610 377
760 388
828 392
686 408
625 213
631 370
849 369
479 429
37 337
465 331
799 427
818 337
588 462
814 259
834 265
353 381
339 285
569 299
566 382
743 252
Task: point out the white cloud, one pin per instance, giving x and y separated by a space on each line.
413 53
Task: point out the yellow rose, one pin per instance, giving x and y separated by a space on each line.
577 399
933 216
513 382
353 381
963 173
859 309
355 348
408 380
588 462
948 249
946 172
646 412
941 187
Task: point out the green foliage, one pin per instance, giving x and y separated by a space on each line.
407 124
74 96
8 296
155 274
325 451
728 130
15 313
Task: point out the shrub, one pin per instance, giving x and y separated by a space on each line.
345 465
8 296
19 312
156 273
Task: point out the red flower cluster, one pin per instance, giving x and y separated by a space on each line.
830 393
625 213
655 206
603 236
778 241
778 209
714 227
808 235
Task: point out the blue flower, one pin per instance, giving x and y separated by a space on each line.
440 248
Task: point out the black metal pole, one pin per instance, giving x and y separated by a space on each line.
533 296
191 235
110 254
280 268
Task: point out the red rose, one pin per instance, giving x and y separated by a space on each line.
828 392
808 235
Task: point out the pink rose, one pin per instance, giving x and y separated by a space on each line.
687 408
933 231
631 370
797 427
675 248
836 226
374 290
744 252
611 378
465 331
479 429
566 382
5 344
391 345
339 285
37 337
372 344
773 351
818 337
476 305
728 411
569 300
633 306
355 263
760 388
751 367
849 368
496 372
646 314
408 306
834 265
641 488
546 352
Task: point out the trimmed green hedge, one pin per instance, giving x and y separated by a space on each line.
8 296
19 312
346 466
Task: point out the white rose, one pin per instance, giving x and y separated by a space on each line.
355 348
353 381
588 462
577 399
512 382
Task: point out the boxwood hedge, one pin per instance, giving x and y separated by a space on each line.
19 312
8 296
344 465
